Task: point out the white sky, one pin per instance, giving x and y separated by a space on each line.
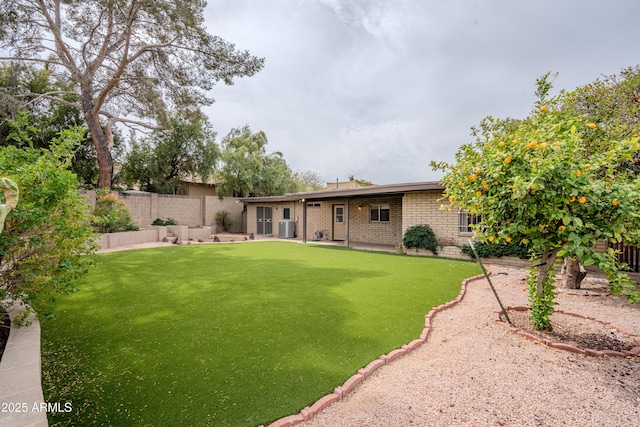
377 89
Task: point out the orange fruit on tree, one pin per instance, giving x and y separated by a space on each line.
573 199
508 239
492 239
578 173
473 177
582 200
592 125
615 202
543 108
501 144
562 228
507 160
479 193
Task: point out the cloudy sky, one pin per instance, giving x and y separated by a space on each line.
379 88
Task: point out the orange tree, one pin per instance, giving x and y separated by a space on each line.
530 183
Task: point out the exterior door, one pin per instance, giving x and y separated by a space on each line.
264 215
338 222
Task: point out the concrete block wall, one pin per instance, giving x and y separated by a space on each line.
186 210
213 204
192 211
127 238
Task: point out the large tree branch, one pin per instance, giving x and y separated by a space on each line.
102 96
54 25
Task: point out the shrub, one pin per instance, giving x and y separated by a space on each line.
223 219
420 237
497 250
111 215
47 236
168 221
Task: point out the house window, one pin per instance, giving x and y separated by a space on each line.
467 222
379 213
286 213
313 205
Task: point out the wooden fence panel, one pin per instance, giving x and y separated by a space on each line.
629 255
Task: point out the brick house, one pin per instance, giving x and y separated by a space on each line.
376 214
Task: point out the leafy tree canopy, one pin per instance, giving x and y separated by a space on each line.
127 61
248 170
158 163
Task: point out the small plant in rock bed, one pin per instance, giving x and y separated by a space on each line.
223 219
421 237
541 303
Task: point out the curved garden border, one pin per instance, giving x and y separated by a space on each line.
635 351
350 384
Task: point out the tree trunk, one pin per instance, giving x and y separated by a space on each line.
101 142
573 275
547 260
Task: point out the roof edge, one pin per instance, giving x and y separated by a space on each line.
349 192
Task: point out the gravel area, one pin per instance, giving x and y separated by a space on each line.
472 372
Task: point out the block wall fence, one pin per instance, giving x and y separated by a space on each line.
191 211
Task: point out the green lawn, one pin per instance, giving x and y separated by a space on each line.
237 335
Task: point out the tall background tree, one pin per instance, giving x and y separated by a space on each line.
127 61
49 117
248 170
159 163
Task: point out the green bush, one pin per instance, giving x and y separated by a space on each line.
420 237
497 250
111 215
223 219
47 237
169 221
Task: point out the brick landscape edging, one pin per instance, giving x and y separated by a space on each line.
349 385
635 351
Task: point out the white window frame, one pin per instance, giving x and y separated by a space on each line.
466 222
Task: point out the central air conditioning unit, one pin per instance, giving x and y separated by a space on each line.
286 229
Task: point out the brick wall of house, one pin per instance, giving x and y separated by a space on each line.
277 212
319 218
362 230
423 207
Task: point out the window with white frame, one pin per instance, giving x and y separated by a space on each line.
379 213
467 222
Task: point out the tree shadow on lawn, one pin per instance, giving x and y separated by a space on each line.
255 336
